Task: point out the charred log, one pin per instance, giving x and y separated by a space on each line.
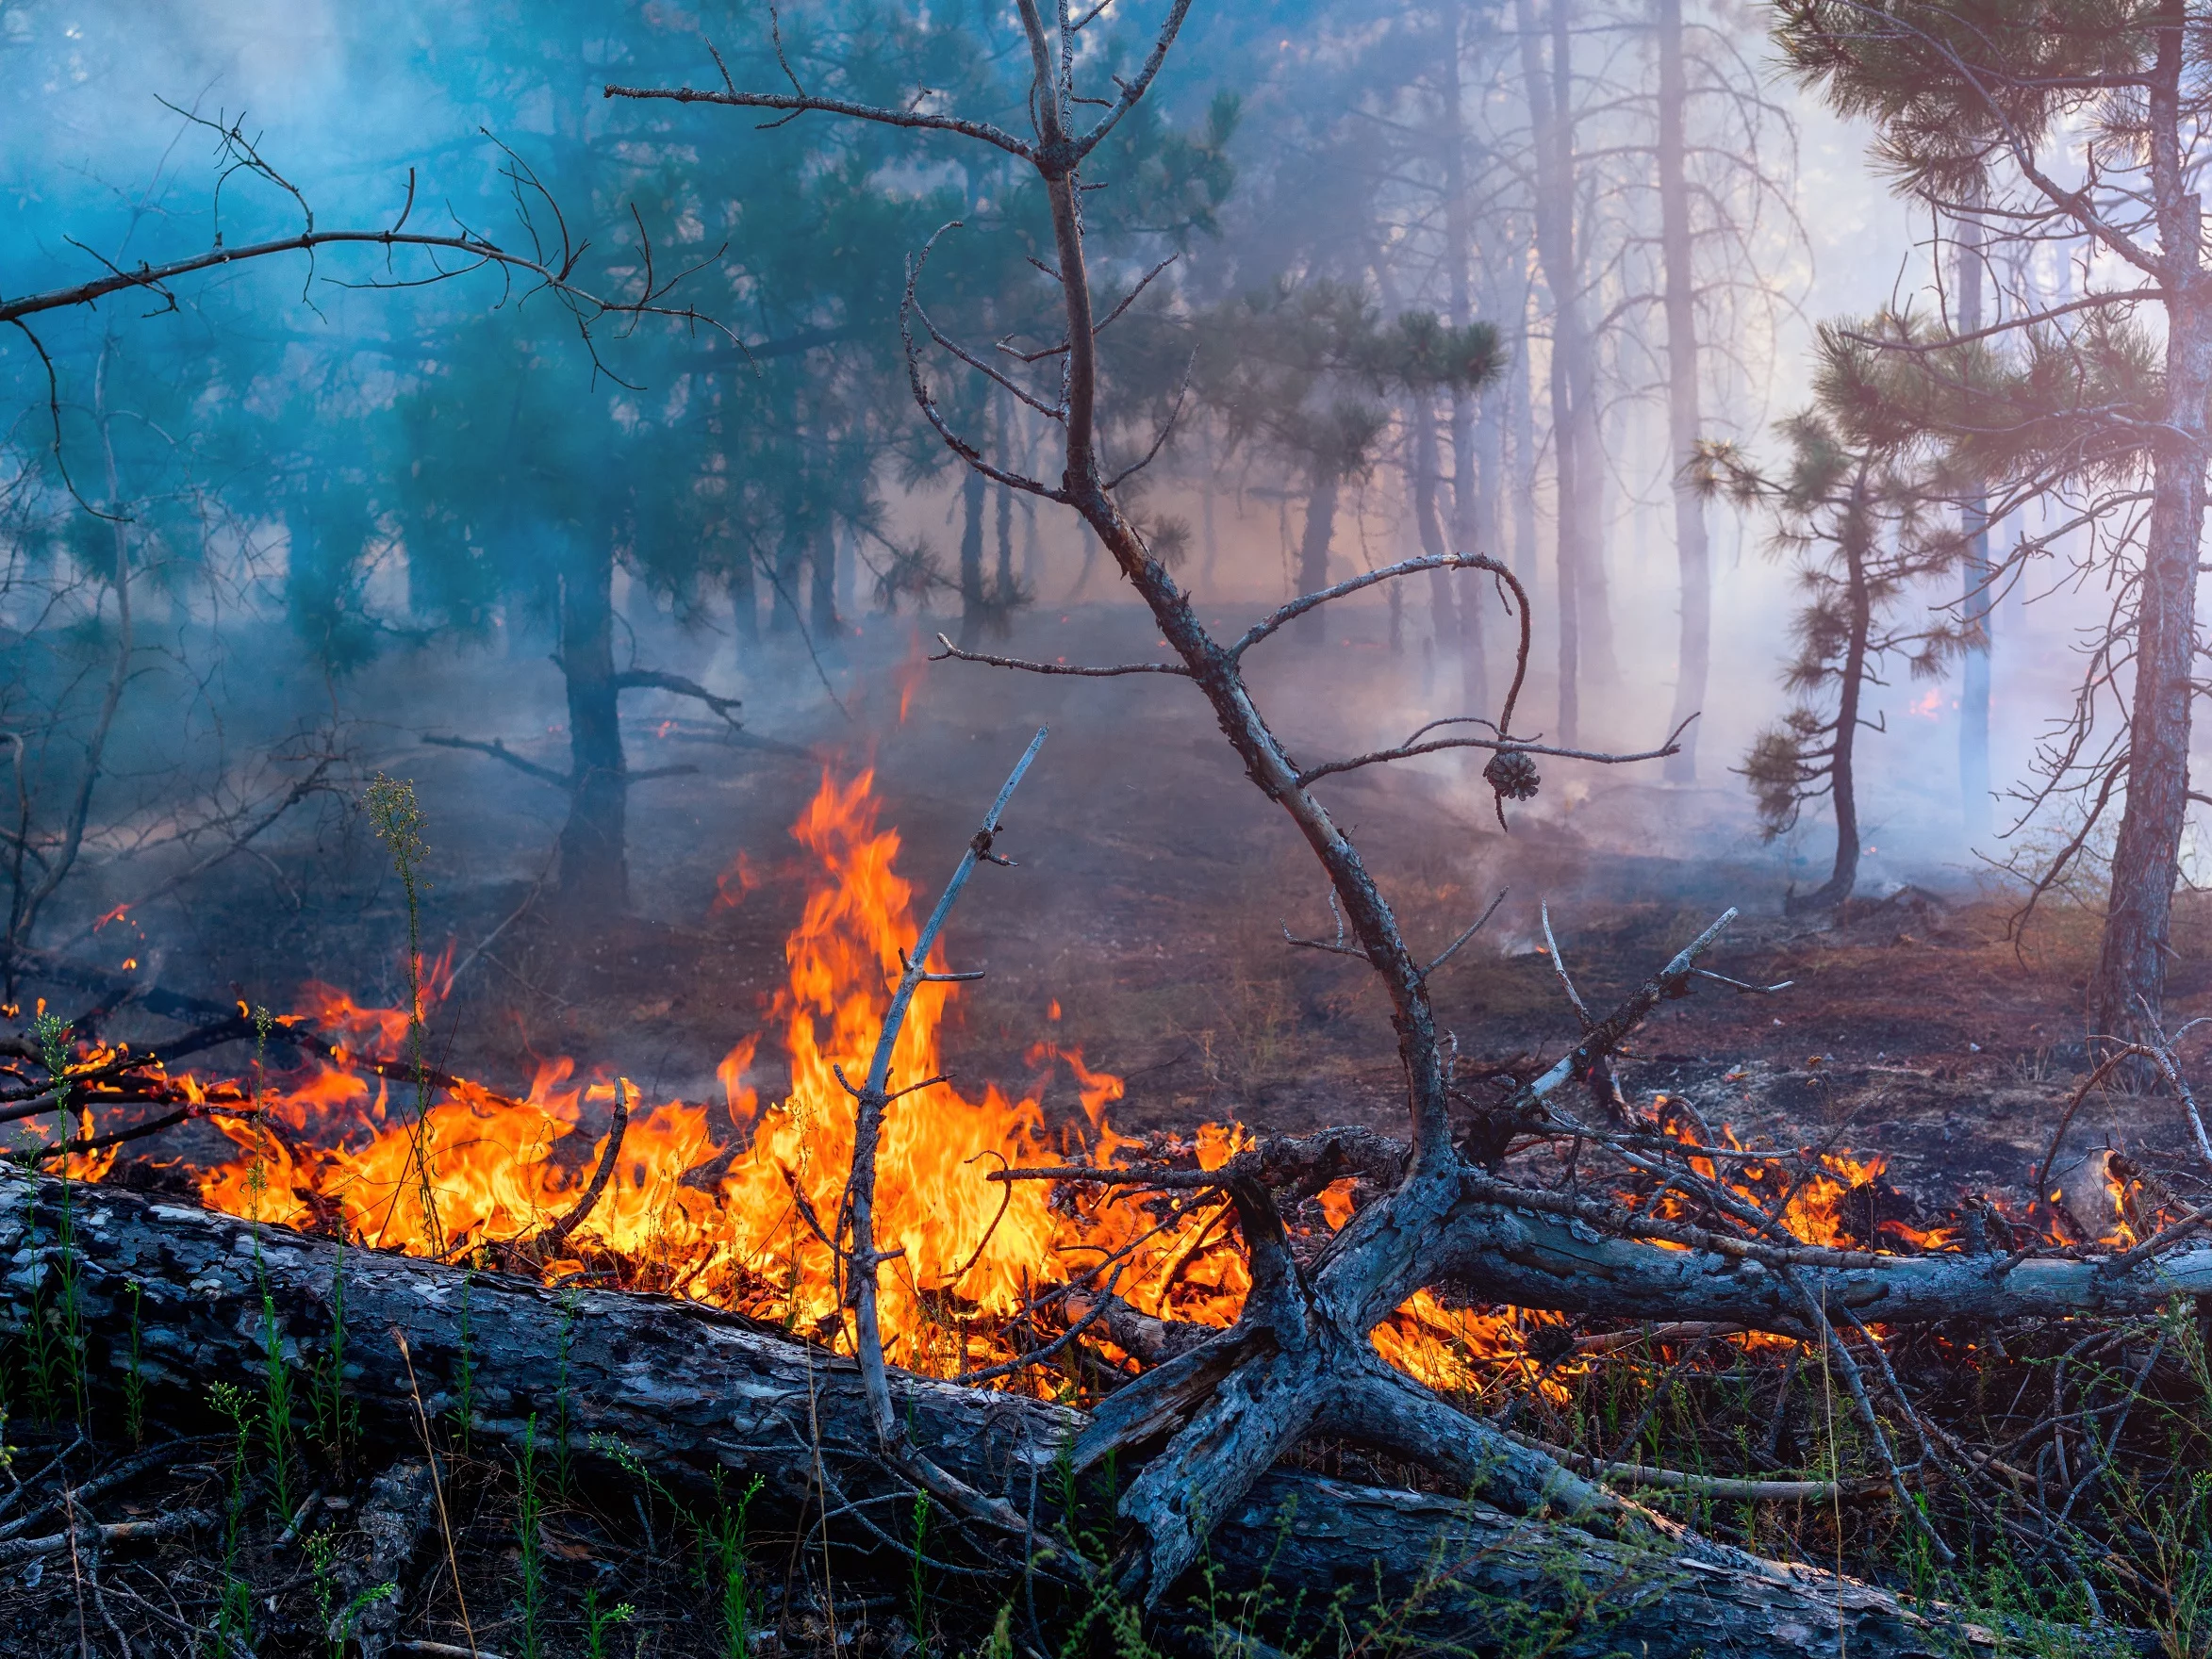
688 1390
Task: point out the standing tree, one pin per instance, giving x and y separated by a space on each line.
2077 120
1864 525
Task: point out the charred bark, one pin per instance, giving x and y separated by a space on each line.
1448 618
1547 93
690 1391
784 579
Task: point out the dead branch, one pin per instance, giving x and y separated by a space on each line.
953 653
498 750
657 680
863 1255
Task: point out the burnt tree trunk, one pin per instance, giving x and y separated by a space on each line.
744 600
692 1393
790 559
1693 550
594 872
1521 413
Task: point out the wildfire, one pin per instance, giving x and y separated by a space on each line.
728 1202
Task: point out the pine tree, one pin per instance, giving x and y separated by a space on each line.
2078 120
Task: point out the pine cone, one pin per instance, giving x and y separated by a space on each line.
1512 774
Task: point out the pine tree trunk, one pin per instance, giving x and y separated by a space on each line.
1313 554
2130 983
1974 700
1843 775
1521 410
1444 597
1548 90
593 867
1002 502
822 570
1693 550
1460 257
790 560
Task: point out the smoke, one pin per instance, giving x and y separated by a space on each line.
361 509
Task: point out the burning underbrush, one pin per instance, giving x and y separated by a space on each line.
732 1201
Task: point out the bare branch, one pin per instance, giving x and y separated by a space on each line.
801 104
953 653
1330 768
498 750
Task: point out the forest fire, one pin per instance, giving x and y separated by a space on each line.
733 1208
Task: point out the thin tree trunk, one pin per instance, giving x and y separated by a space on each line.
24 910
1692 548
594 871
1973 697
1521 393
1547 92
822 568
1206 532
1594 617
971 557
1445 608
744 600
1460 258
790 560
2131 973
1842 777
1313 553
1004 502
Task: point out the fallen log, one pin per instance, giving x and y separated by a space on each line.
687 1390
1494 1251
